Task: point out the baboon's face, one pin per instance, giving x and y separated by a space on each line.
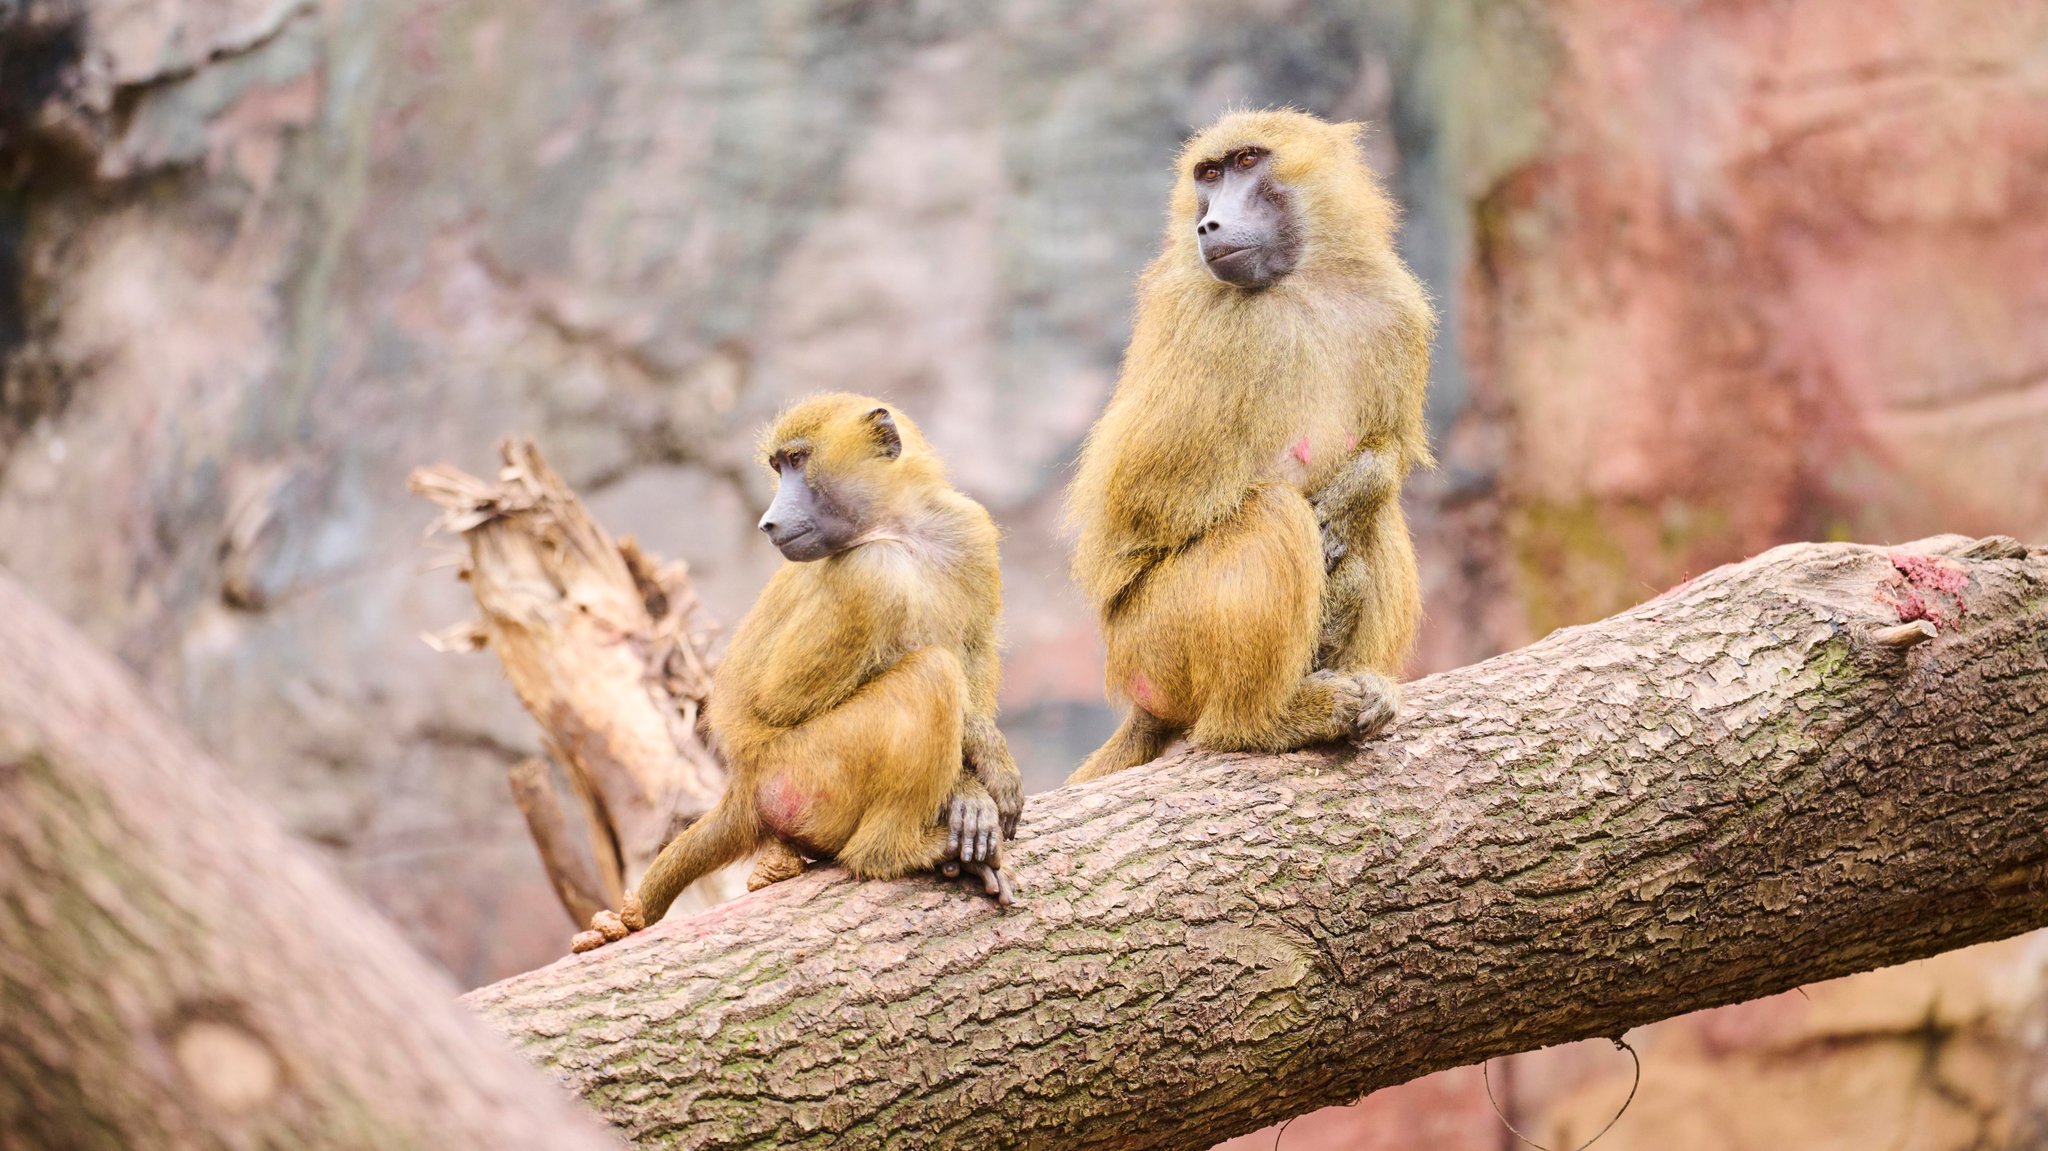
804 521
1245 223
826 478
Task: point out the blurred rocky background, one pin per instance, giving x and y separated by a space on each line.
1716 274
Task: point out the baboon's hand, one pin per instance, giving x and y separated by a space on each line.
987 755
1334 550
1009 799
974 828
1366 482
1334 547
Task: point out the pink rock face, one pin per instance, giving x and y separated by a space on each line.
1771 272
1774 274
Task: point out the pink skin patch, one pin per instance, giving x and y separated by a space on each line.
1925 587
1300 449
782 804
1350 445
1143 694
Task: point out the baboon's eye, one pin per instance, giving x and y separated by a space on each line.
1248 159
796 459
1209 173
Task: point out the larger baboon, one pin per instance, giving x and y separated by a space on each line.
1238 504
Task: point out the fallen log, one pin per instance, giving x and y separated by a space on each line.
1755 781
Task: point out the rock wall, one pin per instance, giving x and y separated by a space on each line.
269 257
1715 276
1765 272
1732 274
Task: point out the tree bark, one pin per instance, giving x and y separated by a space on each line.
175 972
1754 781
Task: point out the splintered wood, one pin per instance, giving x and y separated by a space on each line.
606 646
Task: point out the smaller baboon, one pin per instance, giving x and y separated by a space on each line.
1238 504
856 704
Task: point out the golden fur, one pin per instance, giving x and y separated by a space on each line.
859 685
1241 419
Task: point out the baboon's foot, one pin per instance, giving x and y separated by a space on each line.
777 862
610 927
995 882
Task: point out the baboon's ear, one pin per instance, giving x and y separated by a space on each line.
882 426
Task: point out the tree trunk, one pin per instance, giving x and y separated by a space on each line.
175 972
1826 759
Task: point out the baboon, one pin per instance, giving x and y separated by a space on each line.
1238 504
856 703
